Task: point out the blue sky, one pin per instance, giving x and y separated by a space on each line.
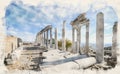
25 20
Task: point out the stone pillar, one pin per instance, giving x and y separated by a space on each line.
56 42
51 37
44 38
100 38
114 41
39 39
78 40
87 38
63 37
73 40
47 39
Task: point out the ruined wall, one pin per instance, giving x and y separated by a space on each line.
12 43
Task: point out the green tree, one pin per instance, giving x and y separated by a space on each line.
59 44
68 44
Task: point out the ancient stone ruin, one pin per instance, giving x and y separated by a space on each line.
80 21
42 37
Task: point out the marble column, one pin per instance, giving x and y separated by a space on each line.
44 38
73 40
51 37
63 37
56 42
100 38
114 41
78 40
47 39
40 39
87 38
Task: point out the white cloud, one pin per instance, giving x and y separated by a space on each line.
67 7
26 36
108 26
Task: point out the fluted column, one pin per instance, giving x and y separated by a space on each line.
73 40
78 40
47 39
63 38
51 37
87 38
56 42
44 39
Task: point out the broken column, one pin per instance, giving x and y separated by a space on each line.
100 37
87 38
51 37
114 41
56 42
63 37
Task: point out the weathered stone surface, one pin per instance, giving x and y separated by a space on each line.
80 21
114 41
73 40
100 37
12 43
87 38
63 37
47 39
51 38
43 36
56 42
78 40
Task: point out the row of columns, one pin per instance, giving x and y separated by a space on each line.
99 38
43 38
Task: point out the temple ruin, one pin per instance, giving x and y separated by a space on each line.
80 21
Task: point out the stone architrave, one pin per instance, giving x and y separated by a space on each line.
100 38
